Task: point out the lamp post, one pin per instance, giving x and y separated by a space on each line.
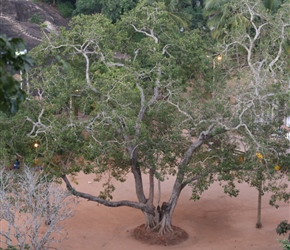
36 145
216 58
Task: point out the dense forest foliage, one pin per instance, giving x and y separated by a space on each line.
189 10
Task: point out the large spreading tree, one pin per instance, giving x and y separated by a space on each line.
144 98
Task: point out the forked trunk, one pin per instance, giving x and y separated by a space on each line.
162 220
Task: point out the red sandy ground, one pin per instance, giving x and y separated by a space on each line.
215 222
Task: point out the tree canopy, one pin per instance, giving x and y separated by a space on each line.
140 96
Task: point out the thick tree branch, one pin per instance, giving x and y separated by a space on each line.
133 149
38 127
279 53
204 135
194 178
133 204
151 185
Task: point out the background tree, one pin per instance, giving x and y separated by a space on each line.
13 59
261 90
187 14
223 15
111 9
87 7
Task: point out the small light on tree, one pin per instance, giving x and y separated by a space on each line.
35 144
219 58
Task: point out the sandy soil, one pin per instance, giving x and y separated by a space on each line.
215 222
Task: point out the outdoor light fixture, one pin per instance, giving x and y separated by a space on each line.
219 57
35 144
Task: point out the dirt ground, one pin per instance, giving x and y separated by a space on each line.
215 222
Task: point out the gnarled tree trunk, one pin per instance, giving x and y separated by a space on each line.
150 221
167 208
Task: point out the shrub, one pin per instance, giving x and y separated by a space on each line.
285 244
36 18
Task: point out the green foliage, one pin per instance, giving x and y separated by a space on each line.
283 227
197 20
110 8
111 101
179 11
87 7
273 5
221 18
65 8
224 15
114 9
13 60
36 18
285 244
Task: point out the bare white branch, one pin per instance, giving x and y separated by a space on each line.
151 34
32 208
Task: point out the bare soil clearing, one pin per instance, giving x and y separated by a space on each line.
215 222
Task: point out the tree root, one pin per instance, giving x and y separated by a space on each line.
163 230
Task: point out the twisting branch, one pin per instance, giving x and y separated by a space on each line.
203 136
164 50
181 111
188 181
143 104
146 33
156 88
141 111
272 63
38 127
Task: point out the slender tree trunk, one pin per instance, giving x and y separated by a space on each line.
150 219
259 220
